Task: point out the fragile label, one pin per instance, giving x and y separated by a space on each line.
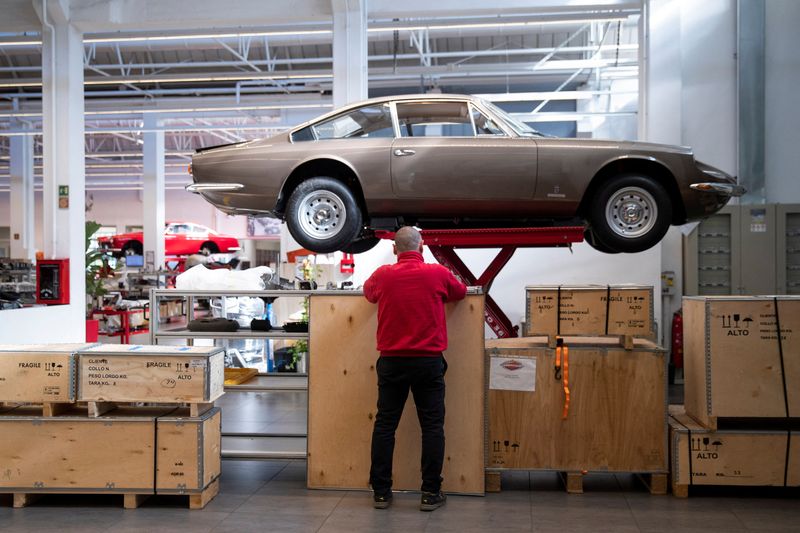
511 373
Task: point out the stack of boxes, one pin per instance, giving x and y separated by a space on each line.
741 424
614 418
73 420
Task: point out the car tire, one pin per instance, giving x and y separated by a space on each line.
594 242
630 213
323 216
208 248
132 248
362 245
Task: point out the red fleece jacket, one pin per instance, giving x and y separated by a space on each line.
411 295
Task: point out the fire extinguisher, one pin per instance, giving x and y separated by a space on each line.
677 339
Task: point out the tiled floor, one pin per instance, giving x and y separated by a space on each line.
271 496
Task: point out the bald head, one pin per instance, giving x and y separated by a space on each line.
407 239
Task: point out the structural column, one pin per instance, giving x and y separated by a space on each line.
154 186
349 51
63 144
21 170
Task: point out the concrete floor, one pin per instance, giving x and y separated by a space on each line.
271 496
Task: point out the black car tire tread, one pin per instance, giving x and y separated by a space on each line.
352 225
607 237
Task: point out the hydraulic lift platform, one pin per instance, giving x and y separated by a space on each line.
443 243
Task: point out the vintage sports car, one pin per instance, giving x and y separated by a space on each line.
450 161
180 238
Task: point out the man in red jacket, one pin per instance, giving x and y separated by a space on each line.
412 334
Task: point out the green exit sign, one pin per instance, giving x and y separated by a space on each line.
63 196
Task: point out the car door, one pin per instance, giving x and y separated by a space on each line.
175 240
439 157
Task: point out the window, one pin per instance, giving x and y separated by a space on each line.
434 119
178 229
364 122
484 125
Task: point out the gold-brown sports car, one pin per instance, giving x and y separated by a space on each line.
450 161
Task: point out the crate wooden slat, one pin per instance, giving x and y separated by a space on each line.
158 374
38 373
617 418
732 363
589 310
188 456
701 456
343 395
74 453
237 376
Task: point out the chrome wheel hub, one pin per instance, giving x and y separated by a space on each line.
322 214
631 212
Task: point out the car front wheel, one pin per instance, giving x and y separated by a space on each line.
630 213
323 215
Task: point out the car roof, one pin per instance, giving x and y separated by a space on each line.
385 99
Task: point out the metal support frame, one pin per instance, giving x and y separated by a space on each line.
442 244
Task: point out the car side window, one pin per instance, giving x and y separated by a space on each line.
434 119
483 124
363 123
178 229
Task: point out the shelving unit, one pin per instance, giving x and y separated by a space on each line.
251 444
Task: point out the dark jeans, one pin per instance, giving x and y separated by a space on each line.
424 376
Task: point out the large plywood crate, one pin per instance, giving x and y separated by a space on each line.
589 310
188 451
343 392
156 374
617 416
701 456
74 453
735 365
38 373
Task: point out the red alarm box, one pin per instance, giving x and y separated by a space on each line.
52 281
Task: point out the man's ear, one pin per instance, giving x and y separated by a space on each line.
394 249
421 246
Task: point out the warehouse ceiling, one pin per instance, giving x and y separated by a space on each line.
206 87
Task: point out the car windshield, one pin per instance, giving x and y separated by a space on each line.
517 125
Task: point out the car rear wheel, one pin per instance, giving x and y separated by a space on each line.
208 248
133 248
322 215
630 213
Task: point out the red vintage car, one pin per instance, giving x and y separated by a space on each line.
180 238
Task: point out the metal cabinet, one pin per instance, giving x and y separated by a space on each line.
738 251
788 248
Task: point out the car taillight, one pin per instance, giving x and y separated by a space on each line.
189 169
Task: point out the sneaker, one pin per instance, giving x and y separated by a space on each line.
432 500
382 501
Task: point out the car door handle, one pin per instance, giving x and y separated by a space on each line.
398 152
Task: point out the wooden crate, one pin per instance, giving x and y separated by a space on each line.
343 393
732 358
701 456
38 373
157 374
188 454
617 417
77 454
589 310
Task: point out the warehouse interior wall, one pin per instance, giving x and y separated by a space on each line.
782 83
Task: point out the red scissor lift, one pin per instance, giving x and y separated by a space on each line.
443 244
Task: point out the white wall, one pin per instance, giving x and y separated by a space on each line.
782 80
691 84
124 208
